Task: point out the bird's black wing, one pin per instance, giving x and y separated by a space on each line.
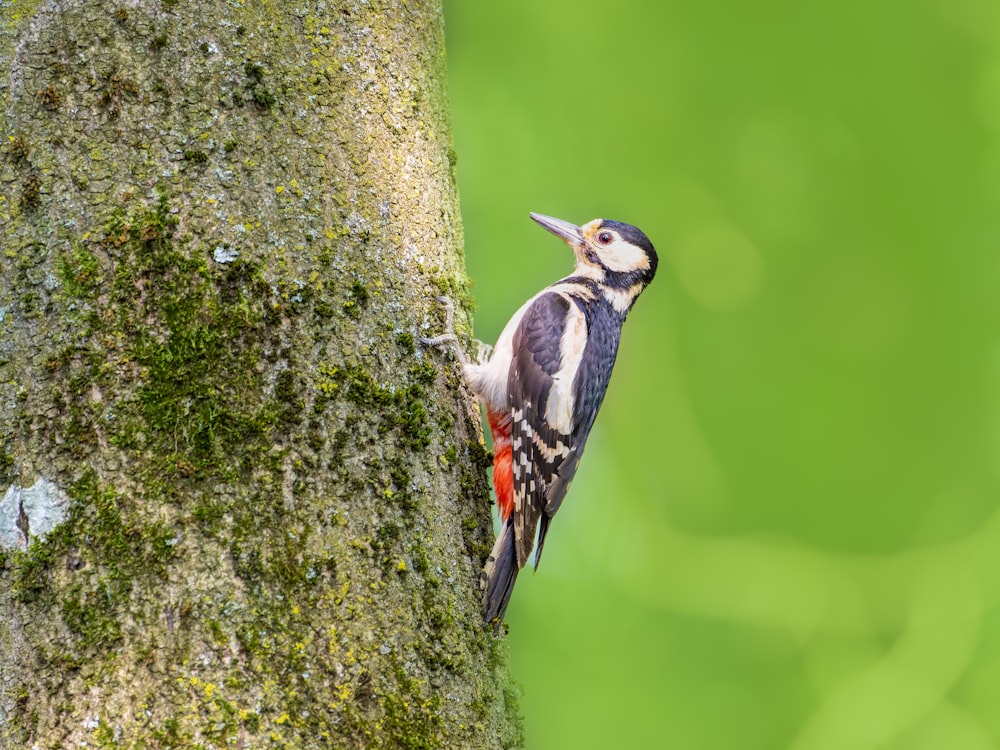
589 386
539 449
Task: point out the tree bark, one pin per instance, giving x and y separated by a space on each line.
243 507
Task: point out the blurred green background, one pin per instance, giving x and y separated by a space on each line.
785 532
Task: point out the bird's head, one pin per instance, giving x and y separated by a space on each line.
614 254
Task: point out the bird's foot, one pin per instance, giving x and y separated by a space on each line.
450 339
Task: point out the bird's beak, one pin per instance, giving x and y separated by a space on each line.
569 232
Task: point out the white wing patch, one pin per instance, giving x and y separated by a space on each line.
559 409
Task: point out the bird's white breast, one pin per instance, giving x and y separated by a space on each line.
489 380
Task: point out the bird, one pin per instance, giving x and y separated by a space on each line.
543 384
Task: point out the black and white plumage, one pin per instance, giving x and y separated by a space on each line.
545 381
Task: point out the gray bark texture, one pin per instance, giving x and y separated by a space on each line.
242 507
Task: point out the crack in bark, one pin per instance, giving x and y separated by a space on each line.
22 517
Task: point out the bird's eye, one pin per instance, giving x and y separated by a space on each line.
604 238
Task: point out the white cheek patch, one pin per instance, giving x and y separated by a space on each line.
623 257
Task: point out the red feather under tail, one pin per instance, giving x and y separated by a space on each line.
503 471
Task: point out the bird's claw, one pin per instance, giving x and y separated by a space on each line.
483 351
449 336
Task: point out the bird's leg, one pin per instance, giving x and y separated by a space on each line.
483 351
449 336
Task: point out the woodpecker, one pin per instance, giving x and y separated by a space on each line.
544 383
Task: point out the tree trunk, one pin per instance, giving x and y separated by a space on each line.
243 507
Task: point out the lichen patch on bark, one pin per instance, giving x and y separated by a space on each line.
28 513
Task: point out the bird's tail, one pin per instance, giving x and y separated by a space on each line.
499 574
